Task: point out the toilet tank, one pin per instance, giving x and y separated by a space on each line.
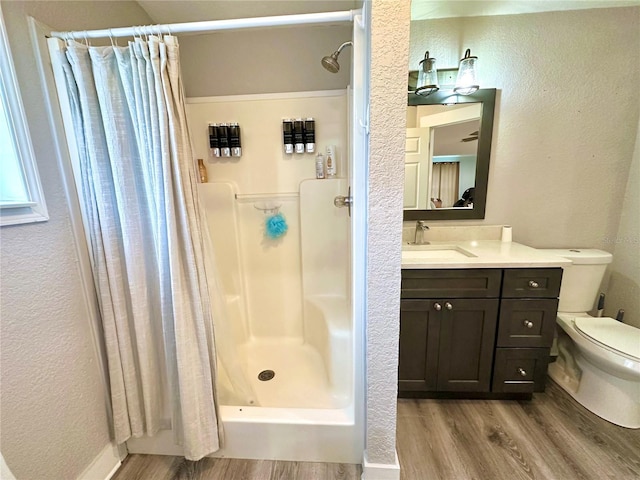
581 280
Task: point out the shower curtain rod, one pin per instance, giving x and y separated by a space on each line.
212 25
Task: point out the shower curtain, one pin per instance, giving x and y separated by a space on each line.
444 182
138 189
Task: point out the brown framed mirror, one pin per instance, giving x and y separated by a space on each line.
447 155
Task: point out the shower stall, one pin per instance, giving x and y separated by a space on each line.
290 369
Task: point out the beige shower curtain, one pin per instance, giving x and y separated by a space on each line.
140 202
444 182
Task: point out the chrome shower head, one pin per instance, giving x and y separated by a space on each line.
330 62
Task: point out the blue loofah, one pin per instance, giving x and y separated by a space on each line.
276 226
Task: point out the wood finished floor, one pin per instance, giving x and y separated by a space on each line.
159 467
549 438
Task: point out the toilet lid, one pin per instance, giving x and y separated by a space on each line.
611 333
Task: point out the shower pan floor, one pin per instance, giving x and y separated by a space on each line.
300 379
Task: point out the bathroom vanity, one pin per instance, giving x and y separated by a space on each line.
477 319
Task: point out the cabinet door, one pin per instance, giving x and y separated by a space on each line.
419 337
467 338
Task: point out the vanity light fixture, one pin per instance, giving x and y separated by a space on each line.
467 81
427 76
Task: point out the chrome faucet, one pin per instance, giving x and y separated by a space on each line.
419 236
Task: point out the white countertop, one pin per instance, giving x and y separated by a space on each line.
484 254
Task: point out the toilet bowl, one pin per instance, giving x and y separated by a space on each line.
603 378
598 360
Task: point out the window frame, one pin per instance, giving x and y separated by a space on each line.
35 210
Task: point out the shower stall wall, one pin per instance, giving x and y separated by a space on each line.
295 304
288 299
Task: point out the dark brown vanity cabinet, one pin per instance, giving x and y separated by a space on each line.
477 330
447 329
525 329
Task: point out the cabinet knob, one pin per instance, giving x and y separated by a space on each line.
437 306
533 284
528 323
522 372
448 306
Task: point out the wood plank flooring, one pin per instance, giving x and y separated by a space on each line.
551 437
159 467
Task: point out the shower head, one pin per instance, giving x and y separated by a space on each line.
330 62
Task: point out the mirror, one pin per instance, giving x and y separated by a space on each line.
447 155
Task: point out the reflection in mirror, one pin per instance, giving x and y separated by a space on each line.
447 155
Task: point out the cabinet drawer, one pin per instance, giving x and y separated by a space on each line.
476 283
527 322
520 370
531 283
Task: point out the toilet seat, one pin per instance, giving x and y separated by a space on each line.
611 334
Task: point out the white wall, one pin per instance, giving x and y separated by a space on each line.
271 268
624 284
53 412
566 115
389 49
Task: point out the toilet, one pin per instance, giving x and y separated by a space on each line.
598 360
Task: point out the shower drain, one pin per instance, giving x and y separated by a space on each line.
266 375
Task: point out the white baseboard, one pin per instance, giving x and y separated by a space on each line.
104 465
380 471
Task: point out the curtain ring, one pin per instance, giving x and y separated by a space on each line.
86 39
113 44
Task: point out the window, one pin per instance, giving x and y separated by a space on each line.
21 198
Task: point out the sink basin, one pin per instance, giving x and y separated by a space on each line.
434 252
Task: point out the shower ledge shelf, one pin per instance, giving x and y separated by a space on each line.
265 197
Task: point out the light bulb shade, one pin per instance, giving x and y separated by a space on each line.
467 81
427 76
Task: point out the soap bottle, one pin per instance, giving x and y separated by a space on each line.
319 166
203 171
331 161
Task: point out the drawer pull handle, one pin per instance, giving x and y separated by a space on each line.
437 306
522 372
528 323
533 284
448 306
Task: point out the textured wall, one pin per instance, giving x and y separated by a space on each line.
53 411
264 61
624 284
257 60
566 115
389 49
